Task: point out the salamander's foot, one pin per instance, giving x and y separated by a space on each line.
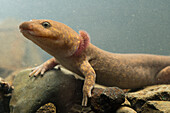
86 94
49 64
38 70
164 76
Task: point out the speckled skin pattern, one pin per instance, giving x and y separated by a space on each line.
75 52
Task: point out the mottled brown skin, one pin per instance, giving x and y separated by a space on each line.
76 53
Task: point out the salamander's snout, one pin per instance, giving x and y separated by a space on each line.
22 26
25 26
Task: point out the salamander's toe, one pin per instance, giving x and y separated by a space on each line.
38 70
85 100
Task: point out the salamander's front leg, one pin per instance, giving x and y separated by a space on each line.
49 64
89 82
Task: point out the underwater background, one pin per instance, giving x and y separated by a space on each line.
120 26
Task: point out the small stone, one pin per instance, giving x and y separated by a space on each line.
125 109
47 108
156 92
5 96
107 100
156 107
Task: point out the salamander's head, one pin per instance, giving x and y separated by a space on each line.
52 36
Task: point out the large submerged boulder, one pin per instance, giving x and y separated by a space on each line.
56 86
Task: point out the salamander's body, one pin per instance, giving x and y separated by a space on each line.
127 70
76 53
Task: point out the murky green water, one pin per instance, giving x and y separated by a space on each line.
121 26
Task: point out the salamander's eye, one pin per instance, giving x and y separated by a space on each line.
46 24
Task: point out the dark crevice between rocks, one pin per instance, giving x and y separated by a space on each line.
152 107
137 105
165 96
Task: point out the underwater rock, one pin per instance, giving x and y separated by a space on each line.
107 100
156 107
47 108
5 96
125 109
56 86
4 86
156 92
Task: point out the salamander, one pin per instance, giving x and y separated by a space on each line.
75 52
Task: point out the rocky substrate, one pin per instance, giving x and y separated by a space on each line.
60 91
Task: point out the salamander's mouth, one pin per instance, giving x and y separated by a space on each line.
30 32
